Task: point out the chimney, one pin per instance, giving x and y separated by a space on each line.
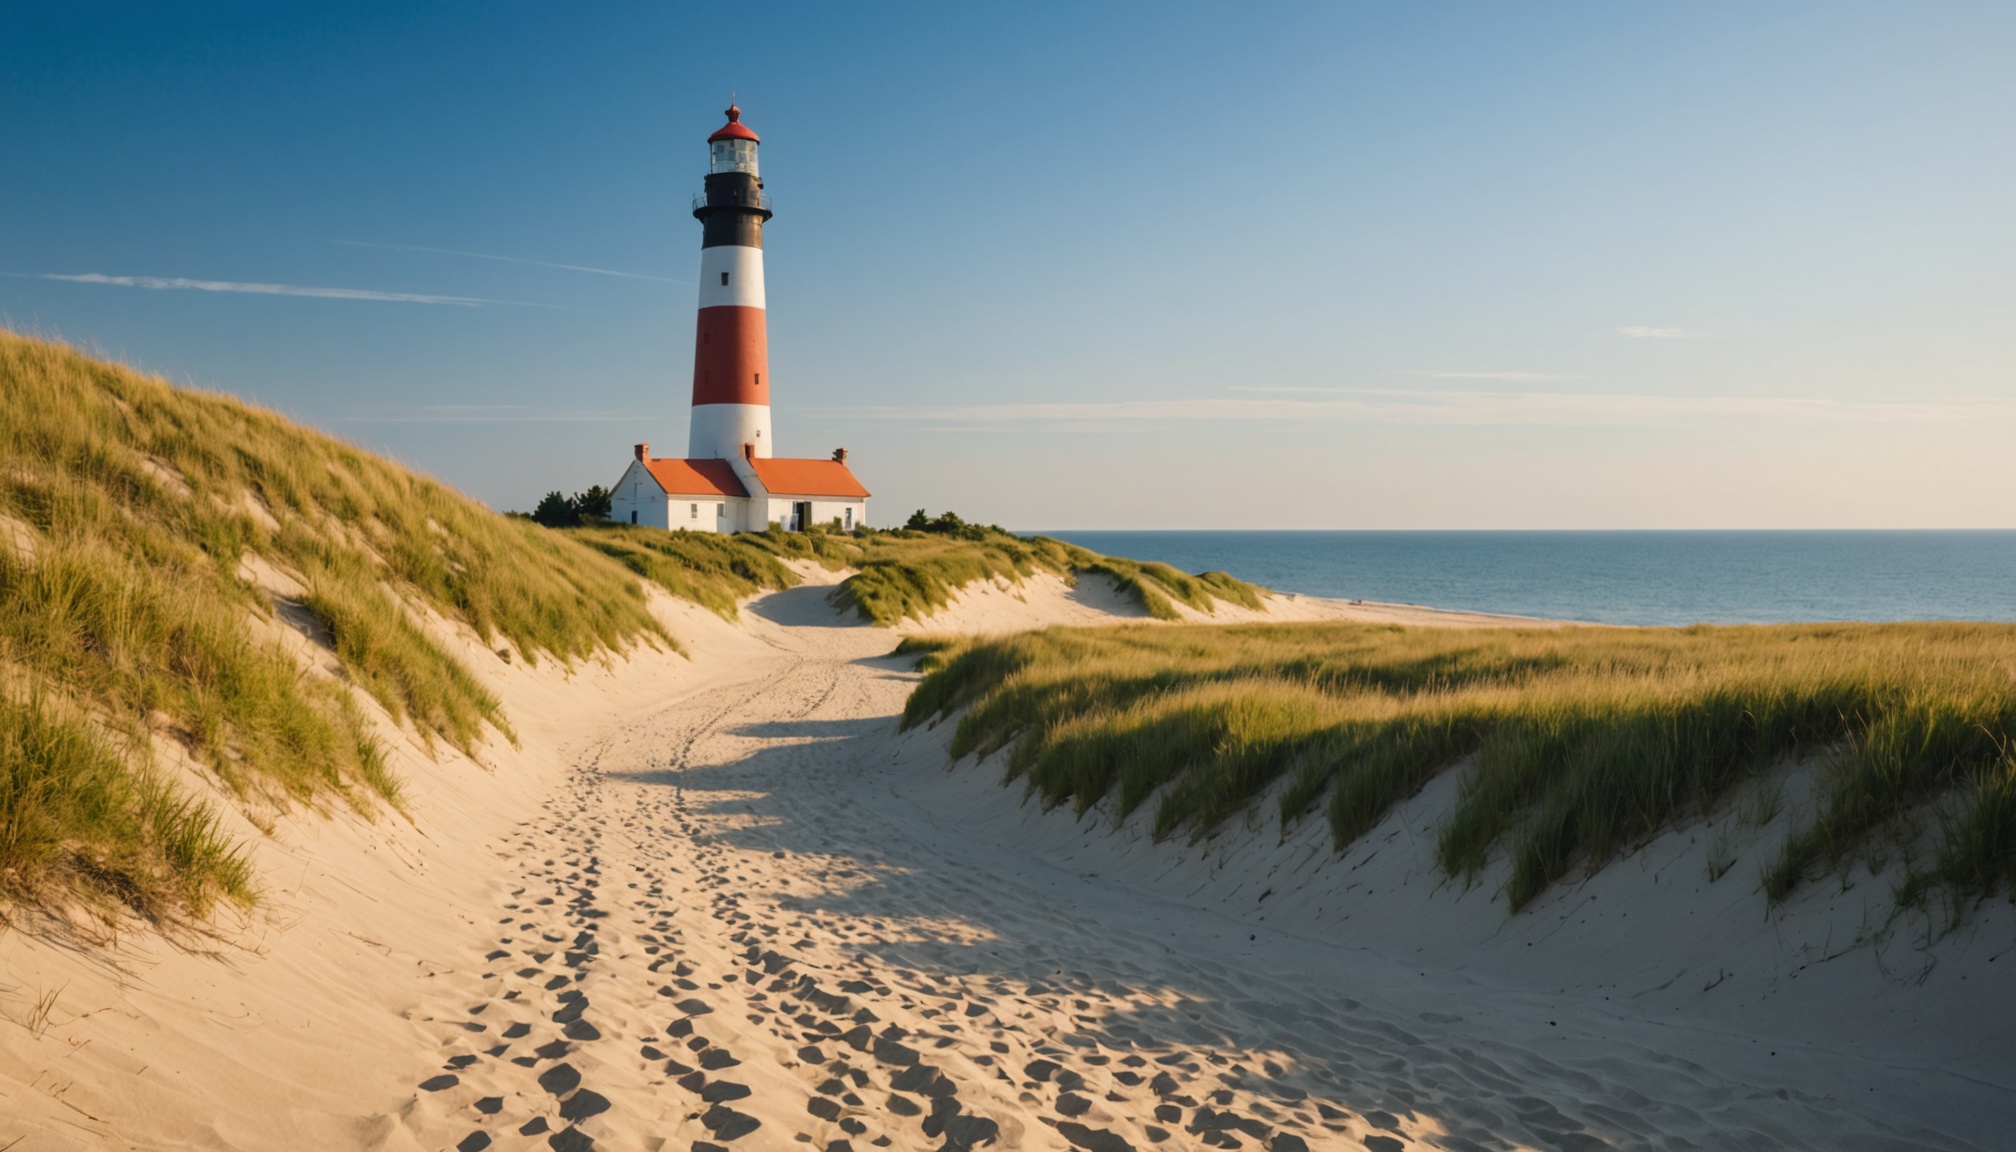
749 452
840 455
643 453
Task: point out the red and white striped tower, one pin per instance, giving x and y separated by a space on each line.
731 351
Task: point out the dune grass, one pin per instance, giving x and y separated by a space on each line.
1158 587
128 512
910 575
906 574
153 850
899 575
714 570
1579 742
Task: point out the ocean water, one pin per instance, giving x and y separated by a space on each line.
1672 578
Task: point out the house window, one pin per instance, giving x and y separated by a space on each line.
724 279
847 520
696 512
633 515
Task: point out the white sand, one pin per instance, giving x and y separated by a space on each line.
741 850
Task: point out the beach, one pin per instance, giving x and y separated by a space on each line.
720 900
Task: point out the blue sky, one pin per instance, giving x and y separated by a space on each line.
1105 265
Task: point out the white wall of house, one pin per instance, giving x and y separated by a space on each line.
825 510
850 513
752 515
702 513
637 499
747 516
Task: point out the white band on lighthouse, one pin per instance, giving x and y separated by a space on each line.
719 431
731 274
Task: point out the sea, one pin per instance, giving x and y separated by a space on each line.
1650 578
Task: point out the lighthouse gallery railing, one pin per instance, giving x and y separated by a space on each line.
762 201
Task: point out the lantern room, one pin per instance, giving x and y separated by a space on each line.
733 148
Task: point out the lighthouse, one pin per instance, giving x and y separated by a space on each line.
730 479
731 346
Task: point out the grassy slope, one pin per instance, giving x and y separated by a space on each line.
1585 741
899 574
124 617
127 511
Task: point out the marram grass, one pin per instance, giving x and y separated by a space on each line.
898 575
128 512
75 816
1579 742
711 569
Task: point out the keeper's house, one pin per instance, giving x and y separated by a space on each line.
744 493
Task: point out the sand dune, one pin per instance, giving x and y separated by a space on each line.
722 904
1044 600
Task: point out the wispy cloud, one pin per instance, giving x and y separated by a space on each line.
483 414
510 260
1290 389
183 283
1375 406
1510 377
1507 377
1640 332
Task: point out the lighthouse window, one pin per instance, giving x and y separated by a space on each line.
733 156
724 279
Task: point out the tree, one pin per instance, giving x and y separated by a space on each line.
947 523
592 505
555 511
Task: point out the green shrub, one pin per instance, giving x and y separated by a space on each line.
557 511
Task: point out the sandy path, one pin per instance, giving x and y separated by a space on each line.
734 927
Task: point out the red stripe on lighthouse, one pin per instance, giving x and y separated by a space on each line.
731 357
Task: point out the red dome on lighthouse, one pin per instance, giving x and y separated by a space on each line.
734 129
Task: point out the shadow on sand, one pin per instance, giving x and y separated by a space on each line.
806 606
1221 1030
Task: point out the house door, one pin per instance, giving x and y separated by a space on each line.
801 516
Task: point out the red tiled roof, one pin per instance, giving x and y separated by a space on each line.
807 477
696 477
734 129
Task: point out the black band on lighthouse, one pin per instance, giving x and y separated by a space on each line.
734 211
